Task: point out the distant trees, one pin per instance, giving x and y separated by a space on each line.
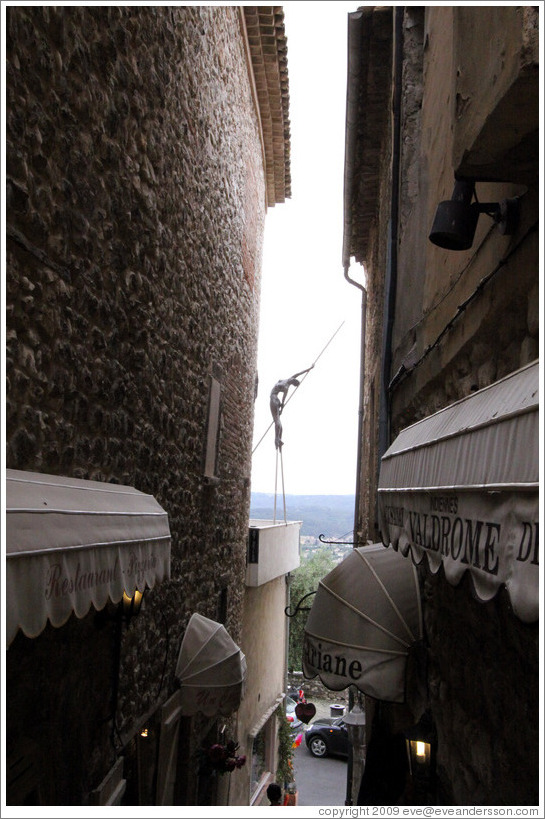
305 579
332 515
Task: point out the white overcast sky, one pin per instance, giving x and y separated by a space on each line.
304 296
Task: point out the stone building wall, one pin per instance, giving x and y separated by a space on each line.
136 206
483 686
482 661
372 220
448 337
462 321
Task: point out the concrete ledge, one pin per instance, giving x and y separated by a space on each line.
273 550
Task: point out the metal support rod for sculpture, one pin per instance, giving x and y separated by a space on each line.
279 452
283 490
275 486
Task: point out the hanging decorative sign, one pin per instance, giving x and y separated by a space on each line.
305 711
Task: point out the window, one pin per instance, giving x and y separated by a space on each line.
111 789
262 759
259 759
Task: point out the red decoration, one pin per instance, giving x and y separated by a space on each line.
305 711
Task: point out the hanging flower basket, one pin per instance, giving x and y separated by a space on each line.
221 758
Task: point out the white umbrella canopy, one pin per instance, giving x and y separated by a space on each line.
211 669
365 617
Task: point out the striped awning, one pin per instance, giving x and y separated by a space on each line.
460 489
364 620
211 669
72 544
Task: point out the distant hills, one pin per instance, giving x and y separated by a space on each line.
330 515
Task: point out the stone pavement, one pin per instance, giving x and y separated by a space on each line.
323 707
319 781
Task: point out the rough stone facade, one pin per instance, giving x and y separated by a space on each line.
136 203
460 321
484 695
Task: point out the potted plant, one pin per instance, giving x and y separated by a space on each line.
221 758
284 772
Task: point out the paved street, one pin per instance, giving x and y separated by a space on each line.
319 781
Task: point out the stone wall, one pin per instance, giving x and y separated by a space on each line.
484 694
482 661
462 321
459 324
136 206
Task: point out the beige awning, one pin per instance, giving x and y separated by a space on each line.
461 488
365 617
73 543
211 669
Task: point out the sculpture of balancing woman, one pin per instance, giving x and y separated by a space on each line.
277 403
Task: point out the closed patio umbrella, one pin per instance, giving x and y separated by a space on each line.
211 669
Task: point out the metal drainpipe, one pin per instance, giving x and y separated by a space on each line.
349 771
354 39
361 399
391 267
354 35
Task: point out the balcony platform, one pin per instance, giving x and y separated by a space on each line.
273 550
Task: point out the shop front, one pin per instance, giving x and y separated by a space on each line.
458 497
460 490
79 556
72 543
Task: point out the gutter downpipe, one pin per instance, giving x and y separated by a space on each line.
390 285
355 25
361 411
356 536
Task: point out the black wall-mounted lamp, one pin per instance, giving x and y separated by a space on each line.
421 750
456 218
125 610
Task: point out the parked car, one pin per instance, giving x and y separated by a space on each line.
294 721
328 735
